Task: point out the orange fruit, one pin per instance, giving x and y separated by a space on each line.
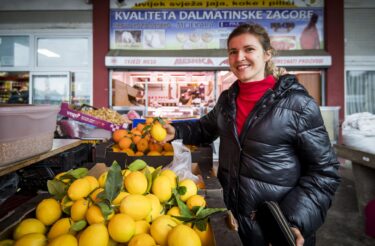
125 143
155 147
140 127
142 145
153 153
168 147
119 134
136 135
139 153
128 151
149 121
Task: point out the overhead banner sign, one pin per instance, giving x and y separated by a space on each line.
171 25
210 62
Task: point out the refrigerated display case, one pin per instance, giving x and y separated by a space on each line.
14 87
172 94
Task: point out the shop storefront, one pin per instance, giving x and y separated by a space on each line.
170 60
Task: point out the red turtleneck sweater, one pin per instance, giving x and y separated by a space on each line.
248 96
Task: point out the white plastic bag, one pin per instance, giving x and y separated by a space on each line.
181 163
358 131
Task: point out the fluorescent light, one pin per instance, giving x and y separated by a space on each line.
47 53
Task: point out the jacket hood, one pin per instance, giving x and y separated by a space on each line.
287 82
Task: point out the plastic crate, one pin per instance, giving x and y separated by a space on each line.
35 177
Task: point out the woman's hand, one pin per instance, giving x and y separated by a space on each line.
171 132
299 238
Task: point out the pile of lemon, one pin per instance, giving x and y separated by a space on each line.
139 205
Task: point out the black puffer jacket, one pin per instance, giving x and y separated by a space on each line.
283 154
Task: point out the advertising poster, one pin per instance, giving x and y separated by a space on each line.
206 24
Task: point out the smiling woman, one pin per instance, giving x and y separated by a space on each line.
269 127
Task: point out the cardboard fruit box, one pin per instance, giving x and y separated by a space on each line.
222 228
202 157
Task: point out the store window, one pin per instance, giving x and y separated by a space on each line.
177 94
81 88
50 88
72 52
14 51
360 92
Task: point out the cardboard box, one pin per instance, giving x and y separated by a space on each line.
224 235
85 118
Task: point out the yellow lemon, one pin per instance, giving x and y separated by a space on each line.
206 236
141 226
136 183
142 240
102 179
162 188
158 132
196 200
149 168
136 206
94 235
79 209
94 215
119 198
121 228
28 226
32 239
191 189
64 240
171 175
160 228
60 227
66 203
48 211
80 188
95 193
93 182
183 235
175 211
58 177
125 172
156 208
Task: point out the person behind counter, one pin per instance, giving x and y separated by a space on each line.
273 143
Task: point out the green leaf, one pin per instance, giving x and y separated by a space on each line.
78 172
106 208
161 121
114 182
205 213
181 190
146 130
78 226
185 212
56 188
149 180
197 210
156 173
137 165
201 225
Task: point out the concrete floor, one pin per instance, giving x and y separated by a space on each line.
343 226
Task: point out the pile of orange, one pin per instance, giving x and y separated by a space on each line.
138 141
